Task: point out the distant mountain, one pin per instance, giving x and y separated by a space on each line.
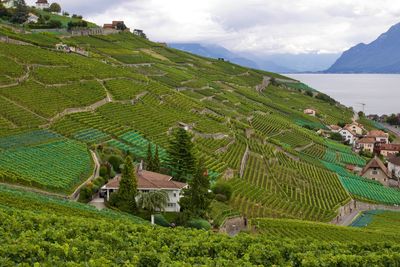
380 56
281 63
214 51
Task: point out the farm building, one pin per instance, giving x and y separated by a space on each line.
377 171
151 181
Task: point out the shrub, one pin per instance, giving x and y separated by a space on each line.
199 224
224 189
148 259
159 219
221 198
85 194
336 137
115 162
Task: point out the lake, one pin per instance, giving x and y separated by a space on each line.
380 92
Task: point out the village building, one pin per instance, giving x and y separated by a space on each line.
380 136
377 171
150 181
366 144
8 3
32 18
42 4
348 135
394 167
388 150
355 127
310 111
335 128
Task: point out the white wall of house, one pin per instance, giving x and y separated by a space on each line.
42 6
384 140
357 129
348 136
367 147
394 169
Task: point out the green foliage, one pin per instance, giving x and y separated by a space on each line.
124 198
149 159
224 189
20 14
159 219
181 159
55 7
116 162
199 224
196 199
153 201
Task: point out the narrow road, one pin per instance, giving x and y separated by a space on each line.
96 173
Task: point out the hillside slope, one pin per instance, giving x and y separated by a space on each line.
380 56
131 92
38 230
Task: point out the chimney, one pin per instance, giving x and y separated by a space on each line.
141 165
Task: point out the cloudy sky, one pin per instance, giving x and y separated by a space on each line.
258 26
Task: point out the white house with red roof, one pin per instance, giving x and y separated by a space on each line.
150 181
310 111
42 4
348 135
380 136
366 144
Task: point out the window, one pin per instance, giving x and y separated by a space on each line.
145 191
171 205
375 172
174 194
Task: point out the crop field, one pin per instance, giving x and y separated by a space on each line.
380 220
44 160
152 90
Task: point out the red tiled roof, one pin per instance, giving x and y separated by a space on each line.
335 127
375 163
149 180
115 22
366 140
41 2
394 160
390 147
377 133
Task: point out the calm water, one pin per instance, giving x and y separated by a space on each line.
380 92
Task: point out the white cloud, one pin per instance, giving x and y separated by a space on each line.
261 26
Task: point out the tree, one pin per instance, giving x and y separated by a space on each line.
336 137
121 26
21 12
153 201
223 191
125 197
181 159
156 161
4 13
149 159
55 7
197 198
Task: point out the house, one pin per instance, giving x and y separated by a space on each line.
42 4
388 150
335 128
151 181
310 111
8 3
394 167
380 136
377 171
32 18
348 135
355 127
366 144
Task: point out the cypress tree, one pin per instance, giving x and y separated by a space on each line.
127 187
149 159
197 198
156 161
181 159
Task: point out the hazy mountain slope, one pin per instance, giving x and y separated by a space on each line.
380 56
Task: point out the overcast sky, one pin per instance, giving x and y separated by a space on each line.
260 26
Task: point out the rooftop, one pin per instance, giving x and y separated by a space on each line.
375 163
394 160
377 133
149 180
366 140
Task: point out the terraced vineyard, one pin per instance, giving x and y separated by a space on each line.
45 160
131 92
51 231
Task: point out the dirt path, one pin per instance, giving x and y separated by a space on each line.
261 87
95 174
244 161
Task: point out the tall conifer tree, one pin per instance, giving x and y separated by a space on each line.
181 159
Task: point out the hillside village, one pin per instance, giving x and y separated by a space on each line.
104 132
